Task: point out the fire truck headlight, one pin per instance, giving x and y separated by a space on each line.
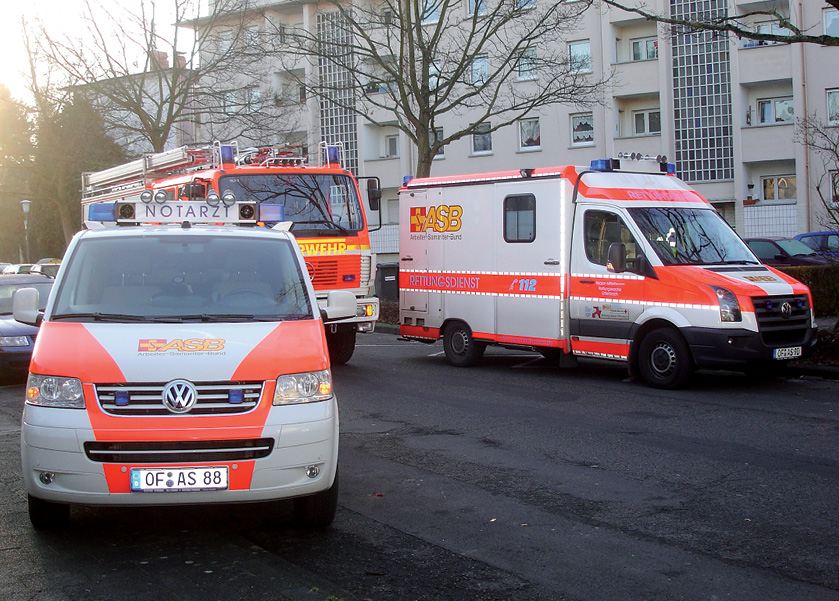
308 387
54 391
729 307
213 198
228 198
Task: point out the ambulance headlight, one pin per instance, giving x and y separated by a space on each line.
729 307
54 391
309 387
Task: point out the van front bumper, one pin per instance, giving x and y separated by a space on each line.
735 348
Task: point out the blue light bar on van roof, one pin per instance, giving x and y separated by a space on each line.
271 212
105 211
652 164
605 164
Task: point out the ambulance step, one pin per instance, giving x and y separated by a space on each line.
146 399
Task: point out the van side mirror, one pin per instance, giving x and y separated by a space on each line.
374 194
340 304
25 307
617 257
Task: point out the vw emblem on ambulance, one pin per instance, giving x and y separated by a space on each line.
179 396
786 310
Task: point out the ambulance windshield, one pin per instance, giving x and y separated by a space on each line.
183 277
326 203
691 236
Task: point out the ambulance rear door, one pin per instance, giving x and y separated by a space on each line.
529 259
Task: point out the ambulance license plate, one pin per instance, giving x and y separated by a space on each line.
179 479
790 352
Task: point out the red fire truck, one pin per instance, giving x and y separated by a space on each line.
320 205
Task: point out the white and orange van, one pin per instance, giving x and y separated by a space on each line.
181 363
621 261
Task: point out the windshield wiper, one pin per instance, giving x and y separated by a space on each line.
203 317
96 316
334 225
739 262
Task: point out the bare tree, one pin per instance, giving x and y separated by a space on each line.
409 63
741 25
150 73
823 140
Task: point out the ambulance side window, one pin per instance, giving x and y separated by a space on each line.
520 218
603 229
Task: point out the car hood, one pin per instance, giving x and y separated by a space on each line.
10 327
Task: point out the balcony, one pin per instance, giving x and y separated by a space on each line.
763 64
767 143
637 78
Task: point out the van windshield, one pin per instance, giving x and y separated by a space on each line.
327 203
691 236
175 278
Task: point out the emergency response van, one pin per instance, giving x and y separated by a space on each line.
181 363
618 261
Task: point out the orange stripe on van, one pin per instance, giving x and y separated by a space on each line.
70 350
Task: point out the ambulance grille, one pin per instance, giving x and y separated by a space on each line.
189 451
776 327
146 399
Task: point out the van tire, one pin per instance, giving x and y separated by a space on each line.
341 344
664 359
462 350
46 515
317 511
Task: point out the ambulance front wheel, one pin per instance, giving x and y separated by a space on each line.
664 359
341 343
318 510
46 515
462 350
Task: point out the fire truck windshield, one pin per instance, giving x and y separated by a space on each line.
318 202
691 236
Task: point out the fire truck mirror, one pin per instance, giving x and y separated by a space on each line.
374 193
617 257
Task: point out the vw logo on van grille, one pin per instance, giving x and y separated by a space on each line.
179 396
786 310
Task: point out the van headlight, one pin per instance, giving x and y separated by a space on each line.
54 391
308 387
729 307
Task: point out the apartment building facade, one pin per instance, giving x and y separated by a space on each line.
724 110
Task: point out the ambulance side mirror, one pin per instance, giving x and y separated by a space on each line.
617 257
340 304
25 307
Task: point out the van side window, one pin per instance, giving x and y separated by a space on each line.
520 218
603 229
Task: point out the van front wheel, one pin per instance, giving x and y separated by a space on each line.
341 344
46 515
462 350
664 359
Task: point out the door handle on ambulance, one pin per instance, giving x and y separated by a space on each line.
586 281
551 262
407 258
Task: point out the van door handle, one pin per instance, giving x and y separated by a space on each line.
551 262
407 258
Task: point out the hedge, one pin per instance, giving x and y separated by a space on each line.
823 281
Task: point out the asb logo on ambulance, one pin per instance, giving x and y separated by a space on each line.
437 219
190 345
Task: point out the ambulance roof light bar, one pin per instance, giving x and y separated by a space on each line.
654 164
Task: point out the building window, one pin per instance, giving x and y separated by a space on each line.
833 107
529 135
480 70
579 56
433 76
230 105
251 37
526 67
520 218
775 110
524 4
831 22
477 7
253 100
770 27
437 136
644 49
430 11
482 139
391 147
647 122
779 187
834 189
582 129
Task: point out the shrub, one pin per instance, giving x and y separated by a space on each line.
823 281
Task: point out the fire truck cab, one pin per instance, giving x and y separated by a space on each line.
620 260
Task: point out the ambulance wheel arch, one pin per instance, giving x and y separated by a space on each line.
662 355
460 346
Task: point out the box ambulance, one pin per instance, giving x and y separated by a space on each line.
181 363
620 261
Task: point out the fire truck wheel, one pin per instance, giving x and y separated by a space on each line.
461 349
341 344
664 359
317 511
46 515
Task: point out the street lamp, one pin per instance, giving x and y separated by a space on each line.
24 204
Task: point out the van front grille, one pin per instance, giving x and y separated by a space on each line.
189 451
782 320
146 399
